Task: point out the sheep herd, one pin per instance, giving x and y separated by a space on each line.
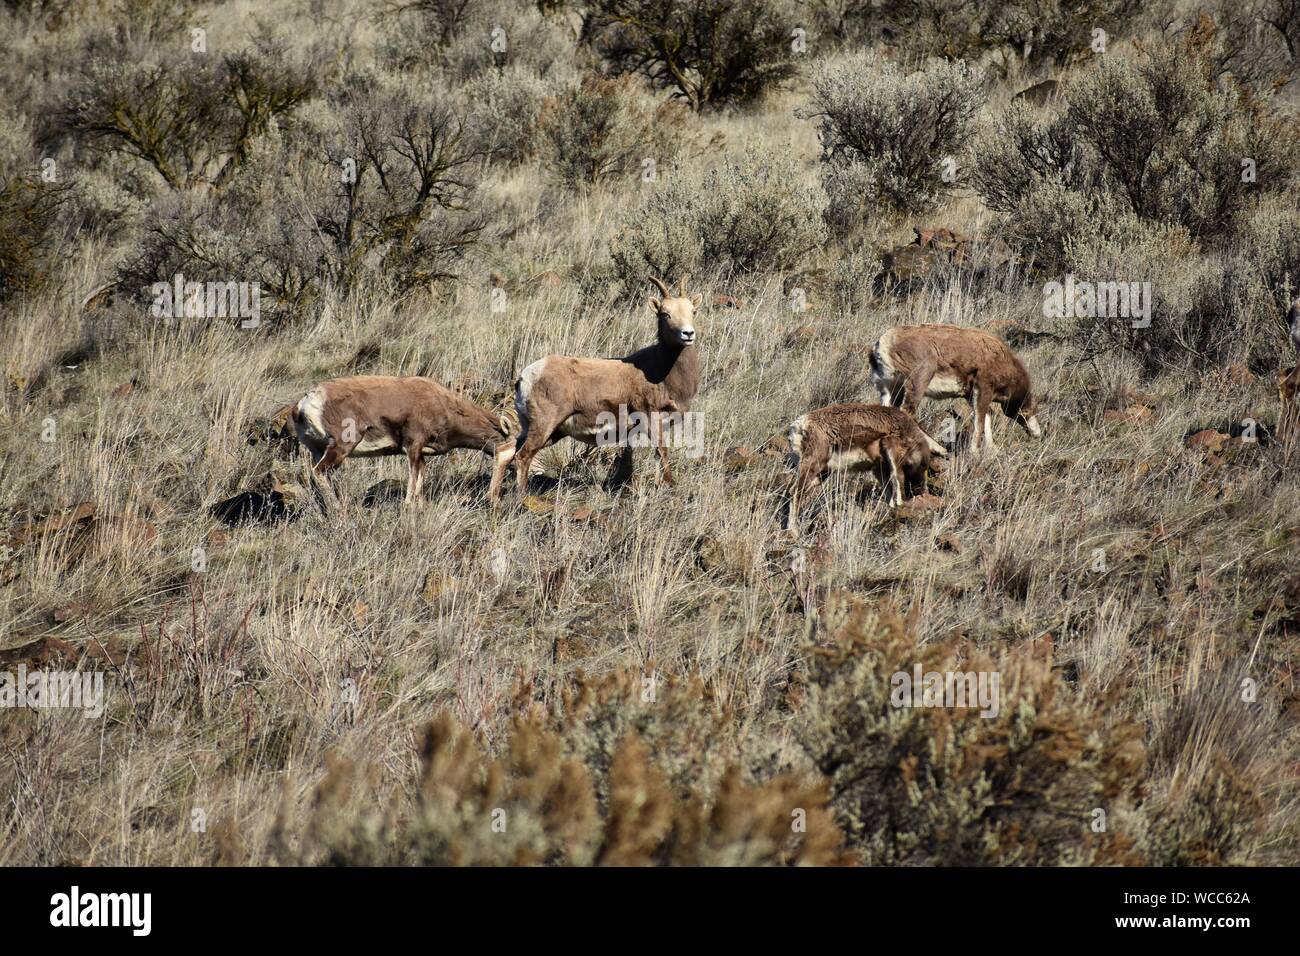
579 397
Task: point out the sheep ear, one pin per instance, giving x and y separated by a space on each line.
654 305
696 300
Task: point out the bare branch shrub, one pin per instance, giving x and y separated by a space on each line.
603 129
192 119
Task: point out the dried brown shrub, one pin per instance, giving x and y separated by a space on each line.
947 786
613 777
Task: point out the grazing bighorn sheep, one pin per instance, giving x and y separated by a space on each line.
370 415
561 396
855 437
944 361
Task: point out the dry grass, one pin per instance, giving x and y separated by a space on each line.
285 690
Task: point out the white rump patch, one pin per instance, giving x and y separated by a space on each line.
885 378
527 379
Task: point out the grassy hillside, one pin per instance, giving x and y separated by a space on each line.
657 674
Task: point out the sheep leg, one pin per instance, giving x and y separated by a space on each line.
985 405
540 434
621 473
891 454
501 458
661 447
807 477
980 427
918 382
415 473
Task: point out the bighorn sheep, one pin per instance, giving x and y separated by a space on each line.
1288 384
561 396
944 361
370 415
1293 323
855 437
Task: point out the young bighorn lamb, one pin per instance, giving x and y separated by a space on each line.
370 415
561 396
856 437
944 361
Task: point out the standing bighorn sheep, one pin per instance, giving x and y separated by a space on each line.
561 396
944 361
371 415
856 437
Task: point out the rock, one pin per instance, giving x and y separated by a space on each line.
778 446
538 506
275 430
949 542
911 263
737 458
125 389
1238 374
1132 415
722 301
918 506
135 530
218 538
383 492
1041 93
955 246
77 518
438 587
45 652
53 653
589 515
251 507
69 612
800 336
1207 440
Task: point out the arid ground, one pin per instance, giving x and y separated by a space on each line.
647 673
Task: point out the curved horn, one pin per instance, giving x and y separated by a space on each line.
681 286
662 288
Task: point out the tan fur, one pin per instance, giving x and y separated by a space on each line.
856 437
562 396
946 361
1288 384
370 415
